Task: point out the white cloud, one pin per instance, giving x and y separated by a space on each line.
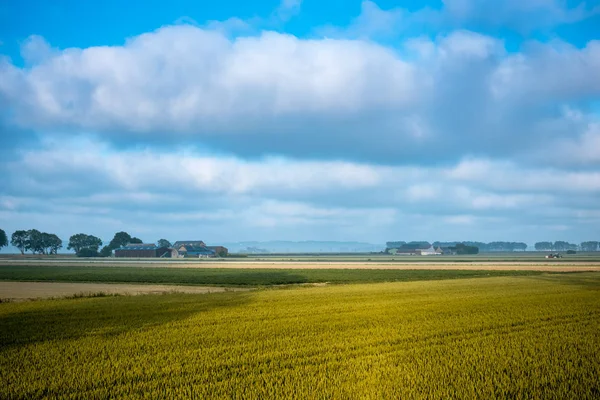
503 175
466 44
85 181
583 150
281 94
557 71
139 170
186 79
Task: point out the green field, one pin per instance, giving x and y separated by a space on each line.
498 337
496 257
233 277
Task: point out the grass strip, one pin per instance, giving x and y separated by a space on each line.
234 277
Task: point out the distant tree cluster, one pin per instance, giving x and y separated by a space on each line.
483 247
394 245
462 249
566 246
488 247
589 246
163 243
408 245
82 244
502 246
35 241
119 240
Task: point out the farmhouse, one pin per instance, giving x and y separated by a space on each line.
143 250
430 251
197 248
195 251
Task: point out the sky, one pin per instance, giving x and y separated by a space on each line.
301 119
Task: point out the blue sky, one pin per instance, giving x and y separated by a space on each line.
302 120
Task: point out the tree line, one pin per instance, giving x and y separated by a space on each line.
501 246
566 246
82 244
484 247
33 240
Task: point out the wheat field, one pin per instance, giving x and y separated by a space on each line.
497 337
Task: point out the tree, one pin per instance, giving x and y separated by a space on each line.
544 246
163 243
52 243
3 239
135 240
106 252
35 241
394 245
19 240
520 246
82 241
462 249
564 246
87 252
121 239
589 246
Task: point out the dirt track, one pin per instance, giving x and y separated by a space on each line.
33 290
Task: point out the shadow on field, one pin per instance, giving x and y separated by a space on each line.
106 316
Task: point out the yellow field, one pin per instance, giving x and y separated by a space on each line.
502 337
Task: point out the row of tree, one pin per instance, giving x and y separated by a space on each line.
462 249
82 244
565 246
501 246
85 245
35 241
487 247
484 247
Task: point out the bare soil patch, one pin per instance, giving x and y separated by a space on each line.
19 291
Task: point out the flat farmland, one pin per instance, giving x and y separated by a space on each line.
524 263
529 336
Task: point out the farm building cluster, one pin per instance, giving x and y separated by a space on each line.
179 249
419 250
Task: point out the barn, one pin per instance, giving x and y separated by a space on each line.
195 243
197 248
195 251
142 250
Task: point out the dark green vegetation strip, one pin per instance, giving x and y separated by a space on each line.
234 277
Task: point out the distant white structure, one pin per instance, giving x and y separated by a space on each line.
431 251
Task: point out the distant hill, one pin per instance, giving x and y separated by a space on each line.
303 247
